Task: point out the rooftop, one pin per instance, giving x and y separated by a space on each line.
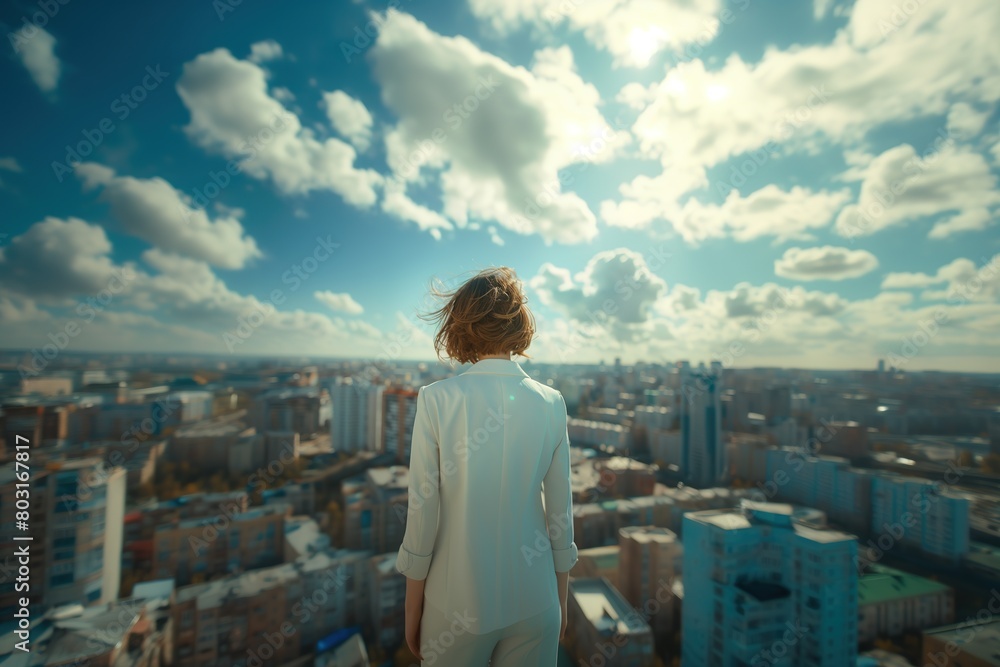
881 584
981 640
605 607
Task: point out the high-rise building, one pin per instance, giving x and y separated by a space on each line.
399 410
647 563
705 461
918 513
291 409
76 523
375 509
761 588
357 415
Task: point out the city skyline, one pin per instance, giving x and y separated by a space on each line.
714 180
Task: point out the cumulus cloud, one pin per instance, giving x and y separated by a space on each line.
970 220
795 99
340 302
151 209
825 263
349 117
616 287
768 212
233 114
264 51
35 48
633 31
58 259
495 134
963 281
901 185
964 122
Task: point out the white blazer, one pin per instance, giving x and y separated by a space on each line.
488 445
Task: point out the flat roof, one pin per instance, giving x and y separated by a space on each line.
981 640
881 584
605 607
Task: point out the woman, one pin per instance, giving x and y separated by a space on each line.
486 566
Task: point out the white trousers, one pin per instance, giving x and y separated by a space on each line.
533 642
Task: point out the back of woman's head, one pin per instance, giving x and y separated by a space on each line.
486 315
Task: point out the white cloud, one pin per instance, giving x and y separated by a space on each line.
233 114
970 220
616 289
825 263
900 186
793 99
349 117
964 122
770 211
340 302
633 31
496 134
35 48
151 209
58 259
264 51
963 280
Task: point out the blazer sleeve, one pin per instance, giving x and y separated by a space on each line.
414 557
558 493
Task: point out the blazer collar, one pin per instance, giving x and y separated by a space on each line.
496 367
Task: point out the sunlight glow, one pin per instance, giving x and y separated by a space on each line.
645 43
717 92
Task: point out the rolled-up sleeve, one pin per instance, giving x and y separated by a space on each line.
414 556
558 493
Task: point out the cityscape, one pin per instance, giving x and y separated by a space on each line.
751 246
214 512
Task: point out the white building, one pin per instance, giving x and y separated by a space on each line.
357 415
760 588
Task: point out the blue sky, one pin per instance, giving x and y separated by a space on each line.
808 186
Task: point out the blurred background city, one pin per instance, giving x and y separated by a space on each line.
759 242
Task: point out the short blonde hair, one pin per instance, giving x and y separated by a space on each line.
486 315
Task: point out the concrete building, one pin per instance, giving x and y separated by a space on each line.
76 509
47 386
590 433
291 409
274 614
357 415
759 586
625 477
892 602
79 526
141 523
375 509
647 567
387 595
399 410
916 513
973 643
598 562
704 457
202 548
828 483
603 626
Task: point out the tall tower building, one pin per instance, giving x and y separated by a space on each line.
399 410
761 588
704 455
77 523
357 415
647 561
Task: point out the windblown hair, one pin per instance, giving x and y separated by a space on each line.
486 315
